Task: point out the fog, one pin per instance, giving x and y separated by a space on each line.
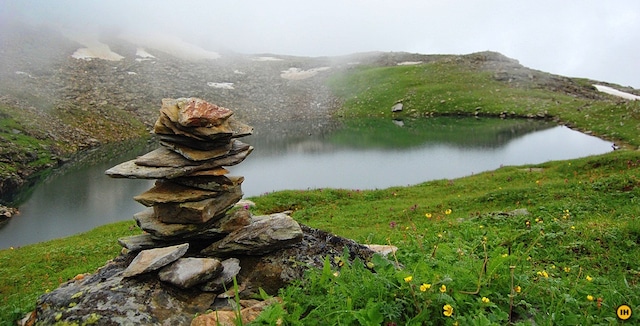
592 39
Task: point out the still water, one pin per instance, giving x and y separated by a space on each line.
366 154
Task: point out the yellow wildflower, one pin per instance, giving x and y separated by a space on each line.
447 211
590 297
443 288
518 289
589 278
428 215
408 278
447 310
567 269
485 300
543 274
505 255
424 287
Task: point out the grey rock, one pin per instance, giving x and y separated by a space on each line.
163 157
143 300
140 242
396 107
187 272
213 183
153 259
214 229
130 169
197 212
164 192
265 234
195 154
231 268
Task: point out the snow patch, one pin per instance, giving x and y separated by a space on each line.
24 74
220 85
615 92
266 59
170 44
409 63
143 55
298 74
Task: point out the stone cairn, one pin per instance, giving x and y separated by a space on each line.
190 221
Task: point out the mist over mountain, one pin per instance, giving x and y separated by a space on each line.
67 92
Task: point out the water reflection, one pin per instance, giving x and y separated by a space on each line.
307 154
378 153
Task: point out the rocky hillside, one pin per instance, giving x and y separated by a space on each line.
55 102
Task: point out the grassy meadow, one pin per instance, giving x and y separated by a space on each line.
555 243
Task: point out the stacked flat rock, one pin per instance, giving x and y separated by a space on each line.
192 191
190 203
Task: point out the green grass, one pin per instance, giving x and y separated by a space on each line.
582 231
571 260
449 87
19 149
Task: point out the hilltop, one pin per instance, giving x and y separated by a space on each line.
57 100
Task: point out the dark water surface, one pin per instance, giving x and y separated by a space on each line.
363 154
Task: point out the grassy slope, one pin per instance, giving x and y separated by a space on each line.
582 221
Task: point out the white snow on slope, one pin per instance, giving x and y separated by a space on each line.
297 74
615 92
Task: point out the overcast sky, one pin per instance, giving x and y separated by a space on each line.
576 38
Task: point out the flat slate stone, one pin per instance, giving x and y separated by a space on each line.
195 112
164 192
196 211
204 145
187 272
140 242
213 183
130 169
153 259
216 228
263 235
163 157
230 268
197 155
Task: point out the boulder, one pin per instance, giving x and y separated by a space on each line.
265 234
153 259
187 272
108 299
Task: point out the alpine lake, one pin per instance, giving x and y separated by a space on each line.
371 153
